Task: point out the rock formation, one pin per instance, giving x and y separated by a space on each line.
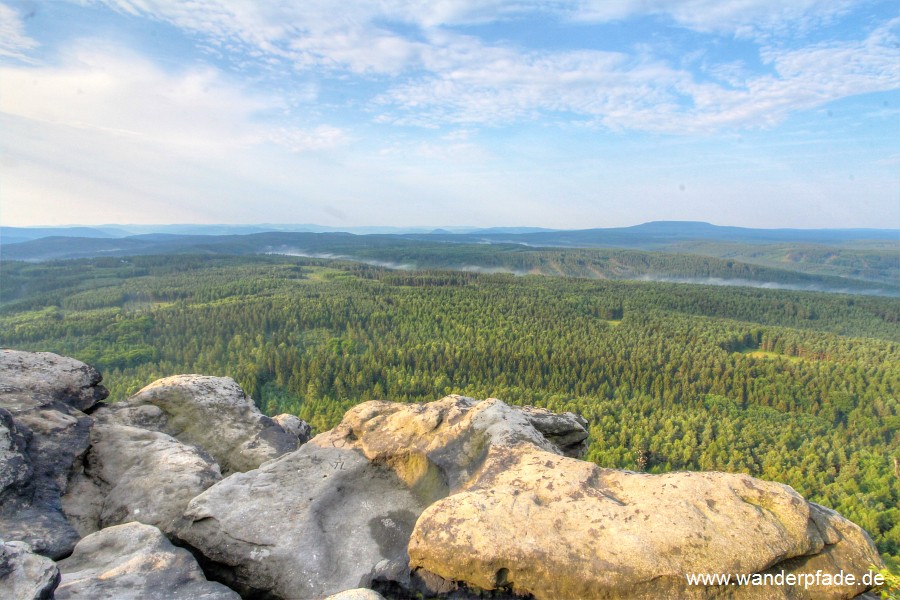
135 562
212 413
454 498
43 438
25 575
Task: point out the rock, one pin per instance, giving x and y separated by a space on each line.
311 523
59 377
42 393
435 447
533 522
295 426
357 594
25 575
212 413
352 494
134 474
135 561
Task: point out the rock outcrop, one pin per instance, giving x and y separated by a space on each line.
25 575
57 377
455 498
43 438
134 474
135 562
553 527
212 413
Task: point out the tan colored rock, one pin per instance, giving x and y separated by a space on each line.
537 523
435 447
212 413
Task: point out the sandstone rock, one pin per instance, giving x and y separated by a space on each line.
324 518
212 413
59 377
135 562
295 426
44 441
134 474
309 524
25 575
532 522
435 447
357 594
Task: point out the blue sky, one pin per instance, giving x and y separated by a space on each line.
555 113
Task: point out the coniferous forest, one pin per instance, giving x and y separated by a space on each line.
796 387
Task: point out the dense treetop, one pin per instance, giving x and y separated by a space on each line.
797 387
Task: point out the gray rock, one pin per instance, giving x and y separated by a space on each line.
56 438
25 575
59 377
134 474
295 426
212 413
357 594
135 562
309 524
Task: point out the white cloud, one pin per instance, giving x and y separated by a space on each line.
111 90
742 18
13 41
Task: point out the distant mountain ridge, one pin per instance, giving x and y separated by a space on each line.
837 260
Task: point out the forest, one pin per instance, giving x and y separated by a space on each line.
791 386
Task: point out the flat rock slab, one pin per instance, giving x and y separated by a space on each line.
25 575
309 524
532 522
135 562
212 413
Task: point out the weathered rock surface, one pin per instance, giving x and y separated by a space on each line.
356 594
134 474
59 377
25 575
537 523
323 518
435 447
135 562
212 413
295 426
42 393
309 524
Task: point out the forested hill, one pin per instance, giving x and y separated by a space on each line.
870 268
796 387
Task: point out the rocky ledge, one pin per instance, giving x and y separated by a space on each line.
186 490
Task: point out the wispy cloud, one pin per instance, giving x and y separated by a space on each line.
437 76
13 41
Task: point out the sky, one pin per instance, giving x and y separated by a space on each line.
552 113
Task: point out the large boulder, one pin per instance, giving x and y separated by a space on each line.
59 377
535 523
309 524
25 575
42 394
134 561
212 413
437 446
338 512
133 474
